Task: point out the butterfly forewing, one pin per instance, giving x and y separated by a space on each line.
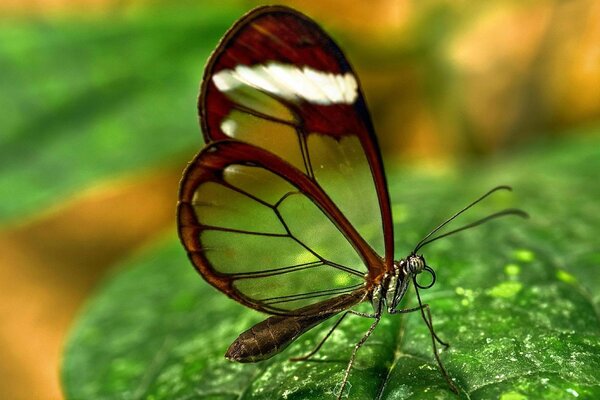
279 82
288 207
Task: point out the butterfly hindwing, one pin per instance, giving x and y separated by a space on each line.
275 249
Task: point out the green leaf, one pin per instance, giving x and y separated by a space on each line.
84 101
518 300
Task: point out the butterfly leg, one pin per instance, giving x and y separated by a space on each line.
333 328
318 347
427 321
426 315
356 347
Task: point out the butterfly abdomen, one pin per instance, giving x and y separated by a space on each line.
269 337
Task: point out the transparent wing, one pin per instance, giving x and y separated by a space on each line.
277 81
265 234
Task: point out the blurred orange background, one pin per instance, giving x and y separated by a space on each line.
444 80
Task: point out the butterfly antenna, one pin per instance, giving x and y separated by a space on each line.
503 213
453 217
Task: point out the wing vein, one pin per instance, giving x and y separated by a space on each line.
309 295
277 271
242 231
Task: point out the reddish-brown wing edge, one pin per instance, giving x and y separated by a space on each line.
208 166
369 143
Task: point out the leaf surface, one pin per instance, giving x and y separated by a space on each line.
517 299
88 100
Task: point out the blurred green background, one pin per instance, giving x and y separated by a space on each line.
98 119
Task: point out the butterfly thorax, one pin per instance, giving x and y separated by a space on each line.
394 285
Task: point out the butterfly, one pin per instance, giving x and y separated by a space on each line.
286 209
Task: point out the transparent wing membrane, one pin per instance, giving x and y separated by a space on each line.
221 206
287 206
338 165
342 170
267 241
277 81
309 225
280 139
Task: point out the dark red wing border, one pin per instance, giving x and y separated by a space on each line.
208 166
280 34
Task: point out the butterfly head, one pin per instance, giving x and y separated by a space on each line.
414 265
405 270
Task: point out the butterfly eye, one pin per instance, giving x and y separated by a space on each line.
415 265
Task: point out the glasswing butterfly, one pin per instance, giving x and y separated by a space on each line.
286 209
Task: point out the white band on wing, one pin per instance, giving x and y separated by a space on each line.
291 82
